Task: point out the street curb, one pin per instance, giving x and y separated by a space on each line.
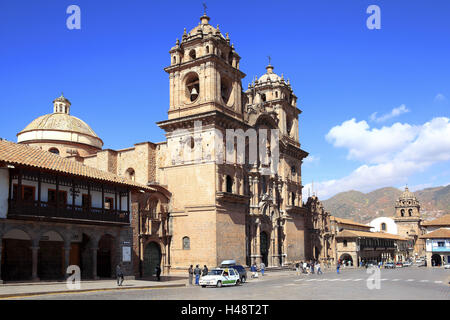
30 294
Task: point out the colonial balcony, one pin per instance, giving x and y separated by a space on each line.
66 213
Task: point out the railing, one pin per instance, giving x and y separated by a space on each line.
49 210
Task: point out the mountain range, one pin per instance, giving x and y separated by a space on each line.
363 207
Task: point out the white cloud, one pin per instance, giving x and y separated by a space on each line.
371 145
391 154
394 113
440 98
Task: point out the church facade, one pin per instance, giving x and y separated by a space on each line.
226 183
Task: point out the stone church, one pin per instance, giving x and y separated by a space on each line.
204 210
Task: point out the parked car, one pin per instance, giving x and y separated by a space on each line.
399 265
389 265
407 264
447 266
240 269
219 277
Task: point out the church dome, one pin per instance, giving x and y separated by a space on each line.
270 75
61 122
407 194
60 126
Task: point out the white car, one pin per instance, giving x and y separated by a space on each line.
447 266
220 277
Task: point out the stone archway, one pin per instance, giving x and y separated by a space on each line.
17 255
264 242
51 256
105 255
345 258
152 258
436 260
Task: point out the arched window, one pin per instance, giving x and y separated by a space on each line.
54 150
410 212
402 212
229 184
192 54
174 59
276 94
293 170
130 174
263 97
383 226
293 198
207 49
186 243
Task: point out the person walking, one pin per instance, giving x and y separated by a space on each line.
312 267
254 270
305 266
158 273
191 274
338 266
297 268
262 266
205 270
119 274
197 272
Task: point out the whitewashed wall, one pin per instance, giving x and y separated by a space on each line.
95 195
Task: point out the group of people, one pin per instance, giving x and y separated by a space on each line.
308 267
197 272
254 269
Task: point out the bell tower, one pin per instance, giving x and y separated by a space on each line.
204 73
408 220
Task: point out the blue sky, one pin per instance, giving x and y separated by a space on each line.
375 102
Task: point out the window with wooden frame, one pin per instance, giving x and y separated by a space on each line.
28 193
109 203
62 198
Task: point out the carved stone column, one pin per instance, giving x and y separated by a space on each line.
67 249
34 257
94 250
258 242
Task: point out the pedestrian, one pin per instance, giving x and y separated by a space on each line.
158 273
319 271
197 272
119 274
205 270
191 274
305 266
297 268
262 266
338 266
312 267
254 270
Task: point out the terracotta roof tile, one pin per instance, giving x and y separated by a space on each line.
442 221
440 233
364 234
348 221
20 154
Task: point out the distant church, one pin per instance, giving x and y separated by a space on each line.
406 223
